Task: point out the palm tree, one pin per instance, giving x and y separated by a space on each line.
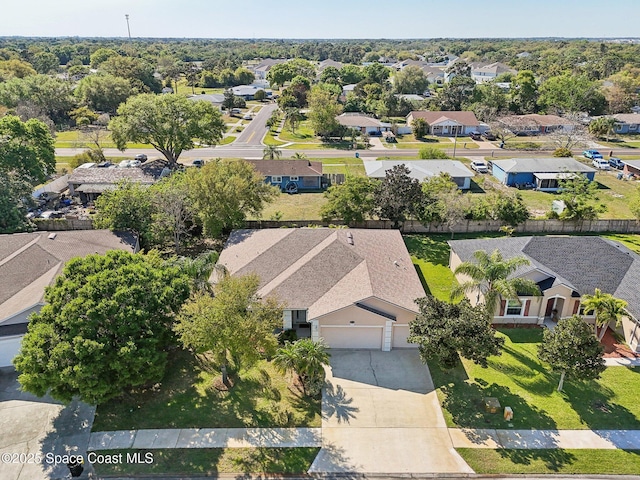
293 116
490 277
199 269
607 309
299 155
307 359
271 152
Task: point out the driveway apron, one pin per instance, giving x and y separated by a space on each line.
380 414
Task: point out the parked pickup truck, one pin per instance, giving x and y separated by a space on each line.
615 162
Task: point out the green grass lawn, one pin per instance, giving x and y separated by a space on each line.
302 206
75 139
430 256
519 380
347 169
504 461
409 141
270 140
212 461
187 398
227 140
304 133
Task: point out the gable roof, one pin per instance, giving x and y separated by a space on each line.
419 169
495 68
359 120
464 118
323 269
299 168
30 261
535 118
631 118
582 263
209 97
148 173
542 165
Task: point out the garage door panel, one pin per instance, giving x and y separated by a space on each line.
400 334
352 337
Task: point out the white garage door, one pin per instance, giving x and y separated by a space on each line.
352 337
400 334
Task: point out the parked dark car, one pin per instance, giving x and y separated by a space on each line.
615 162
489 136
141 157
475 136
198 162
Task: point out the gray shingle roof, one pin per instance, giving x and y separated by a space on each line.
419 169
583 263
320 270
301 168
542 165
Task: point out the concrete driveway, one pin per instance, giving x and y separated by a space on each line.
380 414
35 430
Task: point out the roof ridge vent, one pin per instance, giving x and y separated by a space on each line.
350 238
52 236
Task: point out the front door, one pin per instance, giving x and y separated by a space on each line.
549 309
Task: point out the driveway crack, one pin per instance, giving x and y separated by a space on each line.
372 369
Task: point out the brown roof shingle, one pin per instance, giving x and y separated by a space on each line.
465 118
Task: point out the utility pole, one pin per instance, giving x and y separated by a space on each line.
128 29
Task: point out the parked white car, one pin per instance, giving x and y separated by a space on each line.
479 166
601 164
129 163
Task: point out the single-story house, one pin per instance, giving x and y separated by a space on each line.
410 97
248 91
364 123
543 173
486 73
627 122
423 169
354 288
447 123
535 124
632 166
346 89
29 262
262 69
564 268
329 63
291 175
214 99
89 183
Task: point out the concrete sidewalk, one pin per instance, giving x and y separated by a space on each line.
206 438
622 362
539 439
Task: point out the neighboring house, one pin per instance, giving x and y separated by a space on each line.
434 74
565 269
487 73
29 262
423 169
354 288
346 89
329 63
54 188
215 99
89 183
543 173
248 91
262 69
627 122
291 175
447 123
410 97
535 124
364 123
632 166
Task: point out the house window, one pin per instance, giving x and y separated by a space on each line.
633 127
514 307
293 178
276 179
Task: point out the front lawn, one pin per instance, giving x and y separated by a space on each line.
188 398
75 139
211 461
519 380
504 461
301 206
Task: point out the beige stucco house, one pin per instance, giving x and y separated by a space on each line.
354 288
564 268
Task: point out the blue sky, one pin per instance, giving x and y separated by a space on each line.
322 18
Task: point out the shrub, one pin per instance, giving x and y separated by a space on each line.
427 153
562 152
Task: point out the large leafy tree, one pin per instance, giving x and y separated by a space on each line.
607 309
571 348
138 72
173 212
490 277
410 80
236 325
579 195
27 157
130 207
170 123
225 192
398 196
324 108
524 93
103 93
456 93
571 93
306 359
105 328
445 330
351 201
